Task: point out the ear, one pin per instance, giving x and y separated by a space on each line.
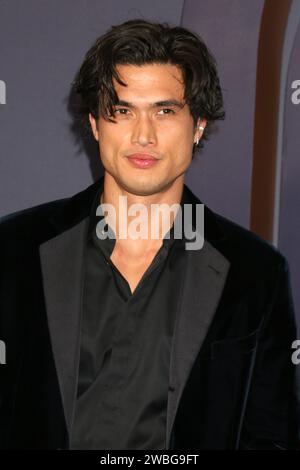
198 132
94 126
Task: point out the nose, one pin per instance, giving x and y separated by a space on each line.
143 132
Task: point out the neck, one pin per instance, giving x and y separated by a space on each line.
156 220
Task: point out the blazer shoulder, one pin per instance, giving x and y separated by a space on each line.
246 246
28 221
41 222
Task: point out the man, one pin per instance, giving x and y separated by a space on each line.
141 343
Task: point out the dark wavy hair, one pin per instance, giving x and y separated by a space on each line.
140 42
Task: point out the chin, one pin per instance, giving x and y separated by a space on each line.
142 188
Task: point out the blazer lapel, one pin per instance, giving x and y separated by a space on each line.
205 275
62 264
62 271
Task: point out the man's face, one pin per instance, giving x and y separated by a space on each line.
164 131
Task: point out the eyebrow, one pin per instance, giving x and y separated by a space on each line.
157 104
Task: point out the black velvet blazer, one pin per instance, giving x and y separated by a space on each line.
232 382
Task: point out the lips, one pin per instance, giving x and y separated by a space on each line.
141 156
142 160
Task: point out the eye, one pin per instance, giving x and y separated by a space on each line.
120 109
168 109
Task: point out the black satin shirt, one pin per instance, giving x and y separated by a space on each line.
125 346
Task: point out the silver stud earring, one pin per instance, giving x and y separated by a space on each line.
202 129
